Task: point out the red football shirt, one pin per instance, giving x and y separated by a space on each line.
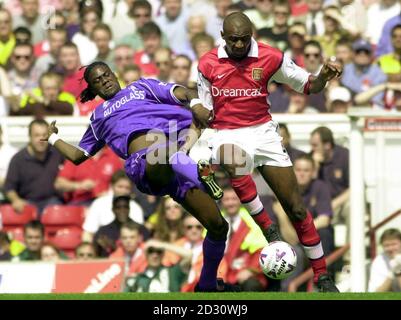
237 90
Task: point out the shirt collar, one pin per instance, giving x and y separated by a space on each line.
253 51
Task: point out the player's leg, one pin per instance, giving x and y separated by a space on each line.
186 190
203 208
235 162
283 182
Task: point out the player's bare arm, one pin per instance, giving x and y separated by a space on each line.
72 153
186 95
330 70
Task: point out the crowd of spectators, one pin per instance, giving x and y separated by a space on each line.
45 43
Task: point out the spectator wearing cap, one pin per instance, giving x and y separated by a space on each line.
339 100
362 74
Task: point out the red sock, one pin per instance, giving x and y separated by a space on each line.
245 188
310 240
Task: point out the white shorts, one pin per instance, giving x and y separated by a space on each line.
261 142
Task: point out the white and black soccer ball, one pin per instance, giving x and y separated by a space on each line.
278 260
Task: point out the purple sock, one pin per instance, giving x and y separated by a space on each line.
213 252
185 168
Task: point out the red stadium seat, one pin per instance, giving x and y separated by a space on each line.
56 217
66 239
11 218
17 233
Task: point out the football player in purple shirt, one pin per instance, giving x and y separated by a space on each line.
142 124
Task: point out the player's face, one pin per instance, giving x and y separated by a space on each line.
238 42
104 82
391 247
303 171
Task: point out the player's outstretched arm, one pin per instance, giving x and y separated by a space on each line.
330 70
72 153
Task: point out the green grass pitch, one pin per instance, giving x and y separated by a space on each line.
206 296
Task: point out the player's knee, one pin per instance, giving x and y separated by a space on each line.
298 213
219 229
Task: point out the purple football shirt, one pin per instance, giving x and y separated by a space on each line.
144 105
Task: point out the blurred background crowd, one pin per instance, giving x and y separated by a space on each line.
43 47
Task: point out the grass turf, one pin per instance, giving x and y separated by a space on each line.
206 296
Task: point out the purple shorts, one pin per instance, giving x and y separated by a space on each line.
135 167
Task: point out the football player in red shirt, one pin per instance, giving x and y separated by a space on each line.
232 87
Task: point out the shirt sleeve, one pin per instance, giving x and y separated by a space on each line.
162 92
292 75
89 143
12 178
204 91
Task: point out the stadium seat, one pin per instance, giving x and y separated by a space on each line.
16 233
11 218
67 239
56 217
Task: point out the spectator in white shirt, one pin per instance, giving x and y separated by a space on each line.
100 212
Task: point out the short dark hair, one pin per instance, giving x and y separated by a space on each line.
185 57
140 4
313 43
119 175
150 28
104 27
325 134
36 225
306 157
397 26
23 44
40 122
126 198
202 37
131 225
83 244
390 234
69 44
23 30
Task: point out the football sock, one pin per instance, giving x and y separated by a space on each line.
213 252
310 240
245 188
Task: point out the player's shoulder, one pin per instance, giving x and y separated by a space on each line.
267 51
209 57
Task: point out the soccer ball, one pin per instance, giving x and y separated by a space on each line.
278 260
